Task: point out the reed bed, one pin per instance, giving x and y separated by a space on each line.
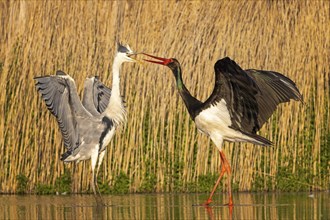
160 145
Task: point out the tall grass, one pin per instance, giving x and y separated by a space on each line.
160 144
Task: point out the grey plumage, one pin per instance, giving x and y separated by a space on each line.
87 126
96 95
80 121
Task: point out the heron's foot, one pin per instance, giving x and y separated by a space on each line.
99 200
100 204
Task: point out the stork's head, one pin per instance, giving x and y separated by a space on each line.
124 54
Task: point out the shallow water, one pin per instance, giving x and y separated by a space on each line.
167 206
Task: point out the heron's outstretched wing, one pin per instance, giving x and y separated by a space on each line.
274 88
102 95
96 96
60 96
251 96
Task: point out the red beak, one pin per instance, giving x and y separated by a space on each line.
164 61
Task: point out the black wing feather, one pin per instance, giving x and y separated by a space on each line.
238 90
274 88
251 95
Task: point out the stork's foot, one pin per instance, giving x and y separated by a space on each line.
207 202
230 202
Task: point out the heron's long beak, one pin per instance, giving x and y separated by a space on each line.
135 60
163 61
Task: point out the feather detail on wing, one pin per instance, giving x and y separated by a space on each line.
101 95
238 90
251 95
274 88
54 91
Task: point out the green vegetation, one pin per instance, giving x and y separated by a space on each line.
63 183
22 183
205 183
44 189
121 185
286 181
149 184
104 187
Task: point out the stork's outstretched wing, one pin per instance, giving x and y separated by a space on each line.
274 88
251 96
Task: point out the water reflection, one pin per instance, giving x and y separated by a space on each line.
166 206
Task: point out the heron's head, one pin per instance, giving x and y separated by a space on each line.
124 53
172 63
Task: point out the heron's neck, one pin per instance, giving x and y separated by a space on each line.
116 109
115 78
191 102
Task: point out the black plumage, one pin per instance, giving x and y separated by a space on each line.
241 102
251 95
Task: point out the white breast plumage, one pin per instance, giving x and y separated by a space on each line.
215 118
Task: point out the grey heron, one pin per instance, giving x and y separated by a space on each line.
241 102
87 127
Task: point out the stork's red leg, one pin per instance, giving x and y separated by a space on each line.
228 170
225 168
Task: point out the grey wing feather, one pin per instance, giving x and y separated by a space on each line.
101 94
88 98
96 96
55 93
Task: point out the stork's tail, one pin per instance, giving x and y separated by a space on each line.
258 140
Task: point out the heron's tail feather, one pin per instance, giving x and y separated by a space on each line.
65 155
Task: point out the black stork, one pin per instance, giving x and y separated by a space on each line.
241 102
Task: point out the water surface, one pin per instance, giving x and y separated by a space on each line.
167 206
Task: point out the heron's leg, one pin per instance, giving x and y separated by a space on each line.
100 160
225 168
73 187
94 159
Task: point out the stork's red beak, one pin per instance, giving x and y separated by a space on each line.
163 61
